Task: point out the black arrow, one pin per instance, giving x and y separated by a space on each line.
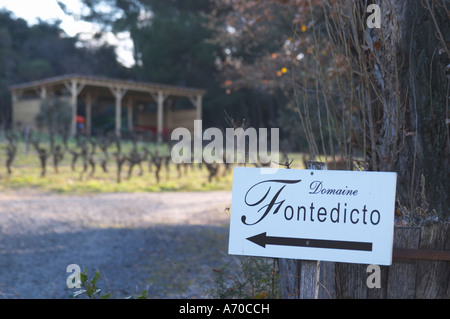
263 240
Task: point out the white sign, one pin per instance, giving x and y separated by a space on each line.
341 216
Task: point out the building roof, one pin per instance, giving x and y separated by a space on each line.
102 82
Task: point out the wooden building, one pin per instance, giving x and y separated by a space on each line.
132 95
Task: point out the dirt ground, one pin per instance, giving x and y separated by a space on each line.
165 243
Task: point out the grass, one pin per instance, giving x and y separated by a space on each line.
67 181
26 173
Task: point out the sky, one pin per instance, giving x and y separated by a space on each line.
49 10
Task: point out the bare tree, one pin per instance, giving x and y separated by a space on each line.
11 150
136 158
157 160
43 154
382 97
104 144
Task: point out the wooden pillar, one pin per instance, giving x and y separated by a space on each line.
43 92
74 88
118 94
88 114
159 99
118 97
197 102
74 102
14 99
159 129
169 115
130 114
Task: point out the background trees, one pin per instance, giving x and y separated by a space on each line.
195 43
30 53
376 95
311 67
264 50
170 40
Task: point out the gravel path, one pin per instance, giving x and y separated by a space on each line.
165 243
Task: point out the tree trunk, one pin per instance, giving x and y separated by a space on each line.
413 107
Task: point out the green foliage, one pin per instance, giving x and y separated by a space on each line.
143 295
257 279
89 287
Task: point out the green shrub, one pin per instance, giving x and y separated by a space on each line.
257 278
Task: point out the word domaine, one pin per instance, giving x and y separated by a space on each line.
318 188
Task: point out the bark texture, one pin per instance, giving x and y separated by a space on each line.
412 110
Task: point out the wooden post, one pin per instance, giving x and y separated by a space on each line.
15 95
160 111
402 276
311 270
130 114
74 102
169 122
88 114
74 88
420 267
118 111
43 93
118 94
302 279
433 276
289 278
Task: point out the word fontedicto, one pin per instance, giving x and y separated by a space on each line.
275 204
